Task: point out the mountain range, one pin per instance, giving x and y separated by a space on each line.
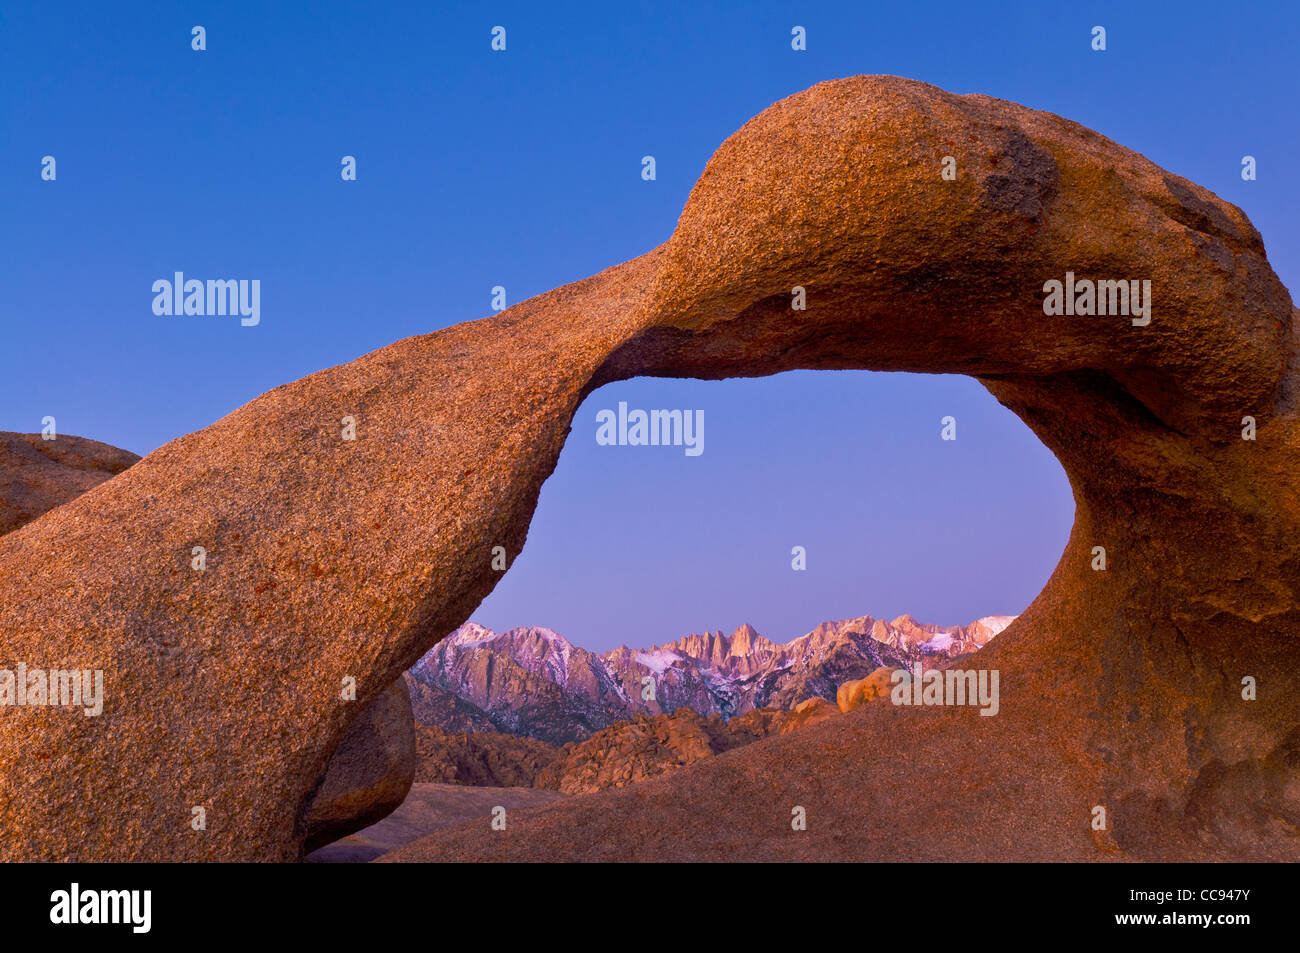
533 682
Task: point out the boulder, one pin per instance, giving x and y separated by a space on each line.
37 475
876 685
809 712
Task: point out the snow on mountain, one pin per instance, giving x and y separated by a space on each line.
939 643
532 681
994 624
659 660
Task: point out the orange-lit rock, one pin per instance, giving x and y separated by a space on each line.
331 559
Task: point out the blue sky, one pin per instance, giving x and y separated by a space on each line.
522 169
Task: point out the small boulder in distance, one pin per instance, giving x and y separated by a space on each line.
854 693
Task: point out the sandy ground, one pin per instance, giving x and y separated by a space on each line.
428 808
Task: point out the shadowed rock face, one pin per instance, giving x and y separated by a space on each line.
37 475
332 558
370 772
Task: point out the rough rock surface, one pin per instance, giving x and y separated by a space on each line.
810 710
369 773
621 754
651 745
37 475
1120 688
480 758
629 752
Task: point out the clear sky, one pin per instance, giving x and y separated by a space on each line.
522 169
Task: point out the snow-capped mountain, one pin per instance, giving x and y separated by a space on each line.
532 681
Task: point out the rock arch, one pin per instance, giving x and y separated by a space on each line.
333 559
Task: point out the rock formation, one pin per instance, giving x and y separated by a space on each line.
332 559
480 758
642 747
37 475
651 745
632 751
854 693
